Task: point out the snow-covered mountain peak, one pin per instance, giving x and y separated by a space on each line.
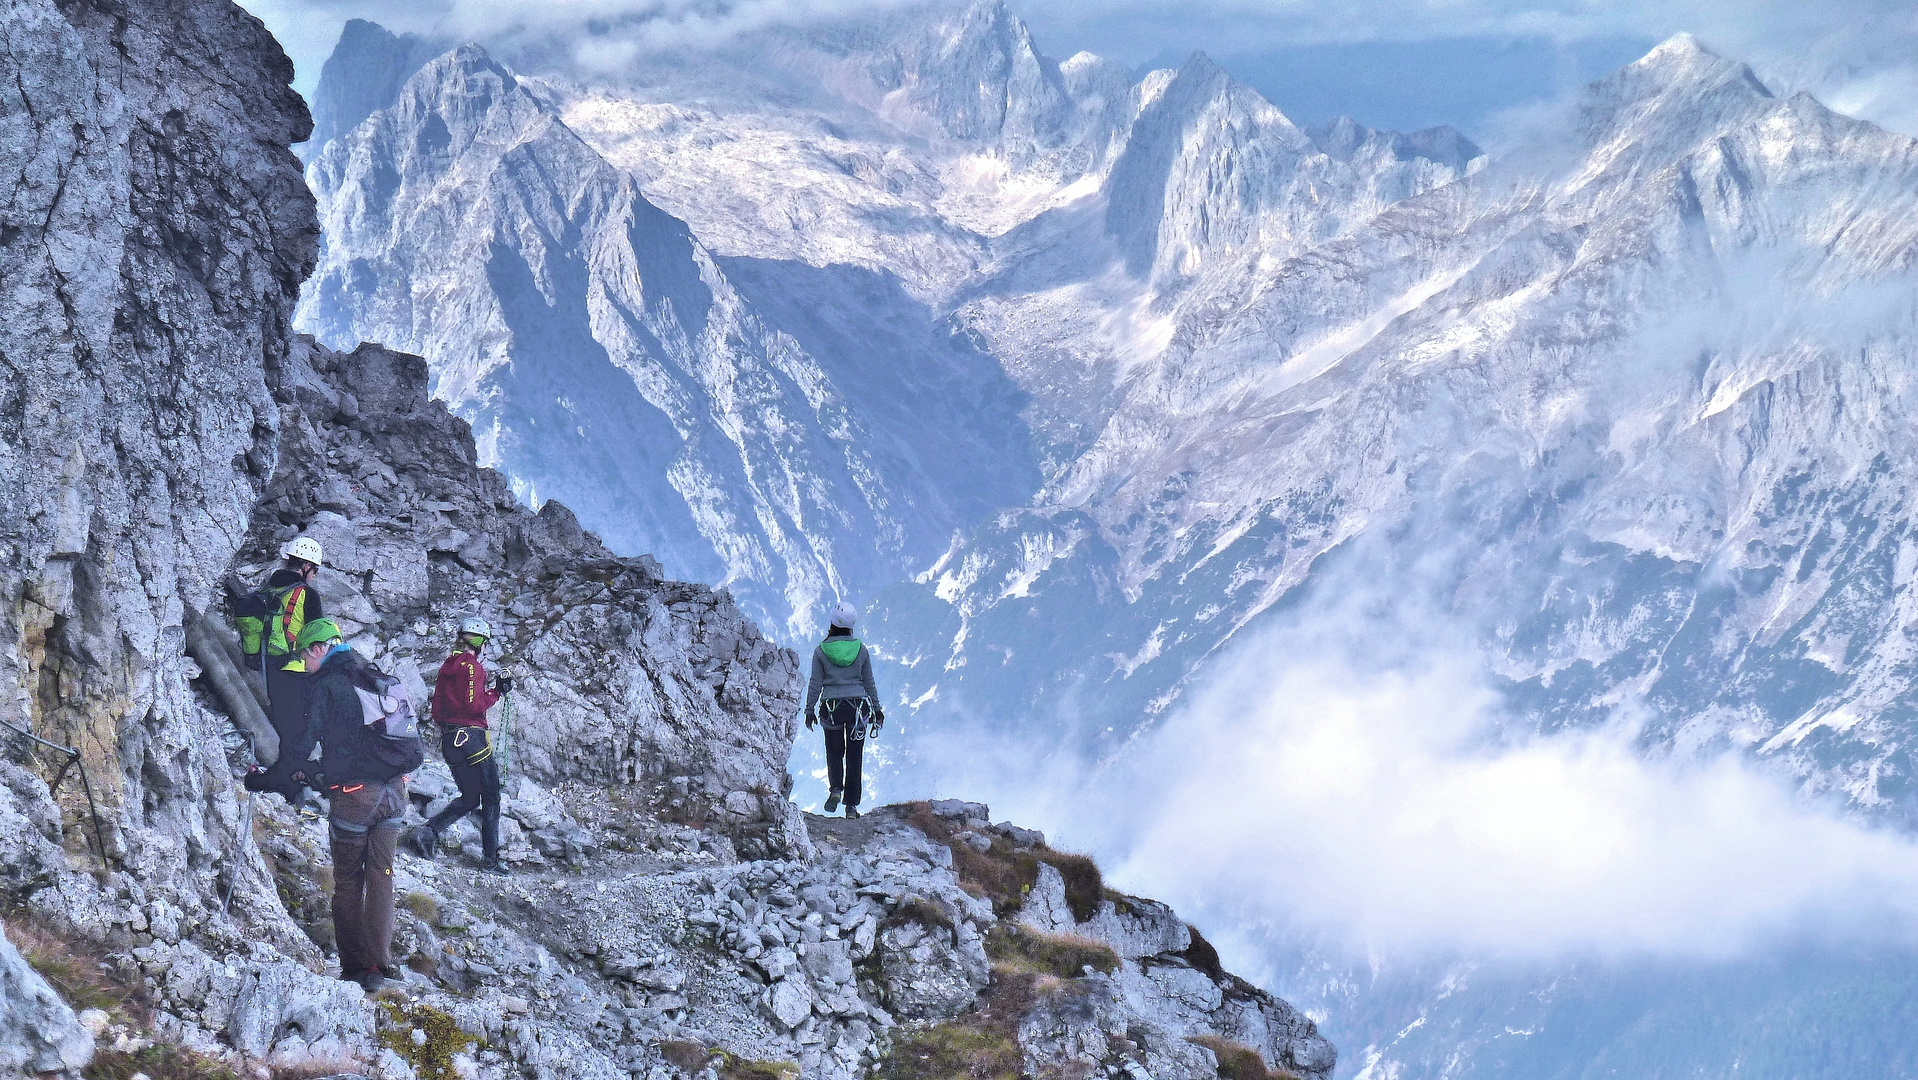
1670 97
975 77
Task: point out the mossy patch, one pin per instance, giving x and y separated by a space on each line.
1238 1061
981 1045
1004 874
432 1057
1065 956
734 1067
423 906
161 1061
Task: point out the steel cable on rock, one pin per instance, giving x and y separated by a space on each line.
86 785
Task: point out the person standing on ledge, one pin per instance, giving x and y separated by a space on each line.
366 797
841 697
461 697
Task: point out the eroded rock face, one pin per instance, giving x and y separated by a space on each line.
622 677
153 235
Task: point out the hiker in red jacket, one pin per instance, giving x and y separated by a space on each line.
461 697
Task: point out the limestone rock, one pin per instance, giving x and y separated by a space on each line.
38 1032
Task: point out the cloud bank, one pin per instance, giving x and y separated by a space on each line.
1383 810
1855 54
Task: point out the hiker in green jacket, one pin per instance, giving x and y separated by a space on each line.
841 697
271 638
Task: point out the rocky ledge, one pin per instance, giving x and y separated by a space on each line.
671 912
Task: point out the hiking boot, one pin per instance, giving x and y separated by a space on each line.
371 981
852 812
424 842
494 866
393 972
832 800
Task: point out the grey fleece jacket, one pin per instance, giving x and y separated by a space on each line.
829 680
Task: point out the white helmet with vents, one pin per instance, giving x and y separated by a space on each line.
474 626
845 615
304 547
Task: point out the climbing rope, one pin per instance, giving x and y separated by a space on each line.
505 748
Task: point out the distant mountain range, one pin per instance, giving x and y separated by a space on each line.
1075 378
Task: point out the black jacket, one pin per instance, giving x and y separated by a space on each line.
334 718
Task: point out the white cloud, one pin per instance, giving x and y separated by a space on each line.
1352 779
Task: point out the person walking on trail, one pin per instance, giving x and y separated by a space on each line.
367 798
290 603
461 697
841 697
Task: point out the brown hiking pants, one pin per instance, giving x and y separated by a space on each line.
365 824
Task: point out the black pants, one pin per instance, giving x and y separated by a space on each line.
287 692
469 754
845 745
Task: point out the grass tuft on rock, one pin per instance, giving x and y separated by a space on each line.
160 1061
952 1050
686 1055
76 970
1064 956
981 1045
433 1058
920 910
1203 957
1004 874
1238 1061
734 1067
423 906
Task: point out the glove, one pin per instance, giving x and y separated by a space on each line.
811 721
878 717
504 684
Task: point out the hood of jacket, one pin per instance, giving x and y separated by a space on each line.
842 651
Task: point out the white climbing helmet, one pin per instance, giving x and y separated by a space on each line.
304 547
845 615
474 626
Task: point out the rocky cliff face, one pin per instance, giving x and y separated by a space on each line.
671 913
153 235
624 678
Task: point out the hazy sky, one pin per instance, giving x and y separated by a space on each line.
1391 63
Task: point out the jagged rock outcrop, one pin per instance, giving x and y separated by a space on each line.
39 1035
153 234
622 677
